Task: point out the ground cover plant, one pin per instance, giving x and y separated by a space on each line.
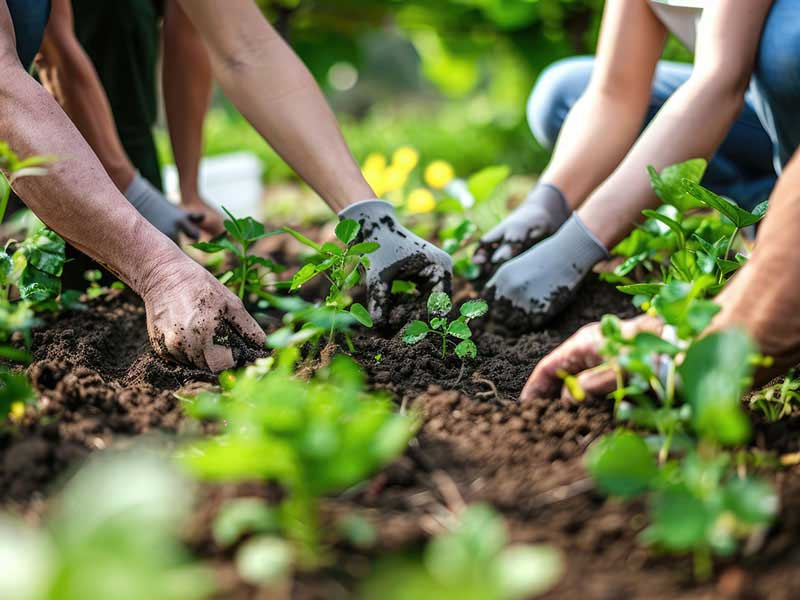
320 478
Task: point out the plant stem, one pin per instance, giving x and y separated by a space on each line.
728 250
444 345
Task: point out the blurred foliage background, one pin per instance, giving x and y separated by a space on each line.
448 77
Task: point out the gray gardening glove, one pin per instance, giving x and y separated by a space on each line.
539 283
165 216
402 255
540 215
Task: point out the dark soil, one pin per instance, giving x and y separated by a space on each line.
100 384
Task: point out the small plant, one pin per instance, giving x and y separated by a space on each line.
341 265
776 400
248 276
96 544
456 241
439 306
472 561
311 437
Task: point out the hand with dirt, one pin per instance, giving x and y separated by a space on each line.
402 255
212 220
533 287
540 215
580 355
165 216
191 317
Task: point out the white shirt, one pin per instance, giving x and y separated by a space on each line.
681 17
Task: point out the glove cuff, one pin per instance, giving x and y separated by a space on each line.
139 190
552 200
585 250
373 208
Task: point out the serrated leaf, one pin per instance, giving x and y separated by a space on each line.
459 329
466 349
439 304
415 332
472 309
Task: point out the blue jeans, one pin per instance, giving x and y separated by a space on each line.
760 141
30 19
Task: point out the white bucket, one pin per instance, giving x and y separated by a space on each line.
229 180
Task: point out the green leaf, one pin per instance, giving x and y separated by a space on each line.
761 209
670 223
332 248
243 516
649 342
303 239
752 501
668 185
264 560
621 464
347 230
306 273
466 349
460 330
646 289
363 248
352 279
403 287
713 374
415 332
438 322
527 571
739 217
681 521
630 263
439 304
611 328
472 309
483 183
209 247
361 315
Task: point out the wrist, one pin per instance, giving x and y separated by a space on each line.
163 269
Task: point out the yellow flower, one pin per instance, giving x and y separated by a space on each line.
405 158
17 411
375 162
438 174
421 201
375 178
394 179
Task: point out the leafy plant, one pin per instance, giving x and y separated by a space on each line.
113 534
248 276
312 437
341 265
439 307
456 242
470 561
776 400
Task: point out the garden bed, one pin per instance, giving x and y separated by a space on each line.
100 385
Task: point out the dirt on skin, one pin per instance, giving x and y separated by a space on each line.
100 384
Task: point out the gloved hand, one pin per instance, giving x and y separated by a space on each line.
402 255
165 216
540 215
536 285
191 317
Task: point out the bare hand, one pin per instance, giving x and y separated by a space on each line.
186 306
580 355
211 220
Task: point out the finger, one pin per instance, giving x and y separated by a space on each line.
218 358
598 381
169 345
196 217
379 302
246 325
187 227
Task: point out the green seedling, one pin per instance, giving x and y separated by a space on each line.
457 242
248 277
311 437
122 545
341 265
439 307
470 561
776 401
95 290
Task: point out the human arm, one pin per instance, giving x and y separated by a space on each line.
68 73
599 130
186 81
761 298
80 202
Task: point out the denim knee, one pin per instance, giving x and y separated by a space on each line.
555 92
778 62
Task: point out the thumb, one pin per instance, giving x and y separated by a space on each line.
218 358
246 325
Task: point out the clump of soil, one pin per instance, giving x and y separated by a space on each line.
244 351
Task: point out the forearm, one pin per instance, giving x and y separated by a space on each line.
613 208
77 198
276 93
187 89
597 134
69 75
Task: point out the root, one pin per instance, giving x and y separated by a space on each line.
492 392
